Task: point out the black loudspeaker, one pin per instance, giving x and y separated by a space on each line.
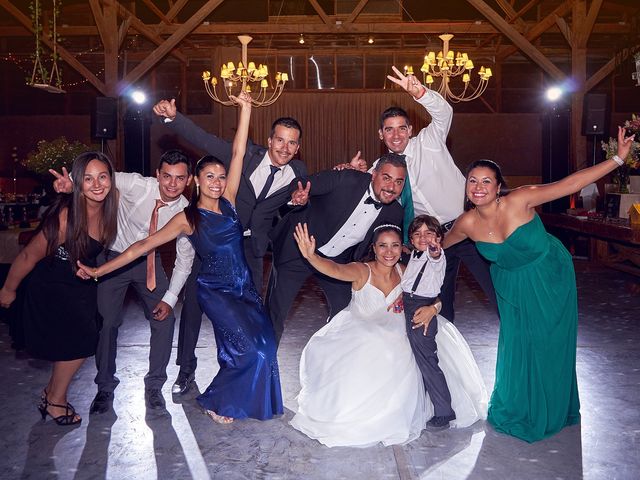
104 118
595 114
555 154
136 141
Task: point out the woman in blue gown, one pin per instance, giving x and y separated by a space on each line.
248 382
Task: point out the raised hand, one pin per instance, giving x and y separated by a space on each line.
306 243
624 144
243 100
397 305
63 182
166 108
408 82
301 195
435 248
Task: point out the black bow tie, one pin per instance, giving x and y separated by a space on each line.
375 203
417 253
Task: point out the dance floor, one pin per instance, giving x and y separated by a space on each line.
182 443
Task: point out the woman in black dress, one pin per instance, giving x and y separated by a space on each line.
59 315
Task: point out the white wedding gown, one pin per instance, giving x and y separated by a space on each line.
361 384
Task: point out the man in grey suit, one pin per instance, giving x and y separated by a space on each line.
264 189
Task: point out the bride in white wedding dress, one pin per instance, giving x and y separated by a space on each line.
360 382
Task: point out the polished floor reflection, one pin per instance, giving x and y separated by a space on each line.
181 443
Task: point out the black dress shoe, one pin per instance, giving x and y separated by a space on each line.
102 402
183 383
439 423
154 398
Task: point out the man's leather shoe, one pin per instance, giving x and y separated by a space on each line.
183 383
154 398
439 423
102 402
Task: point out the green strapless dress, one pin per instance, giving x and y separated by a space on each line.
536 392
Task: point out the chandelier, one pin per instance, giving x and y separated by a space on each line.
240 79
448 64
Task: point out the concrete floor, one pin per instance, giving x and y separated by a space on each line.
182 443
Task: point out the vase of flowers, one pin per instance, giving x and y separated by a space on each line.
631 164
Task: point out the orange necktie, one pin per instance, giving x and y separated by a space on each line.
151 255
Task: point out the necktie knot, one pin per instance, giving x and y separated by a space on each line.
375 203
417 254
267 185
159 204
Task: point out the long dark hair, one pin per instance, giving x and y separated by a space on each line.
379 230
191 210
495 168
76 240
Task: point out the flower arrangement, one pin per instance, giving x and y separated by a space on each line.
53 154
632 162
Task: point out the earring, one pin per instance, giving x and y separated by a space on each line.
498 198
197 190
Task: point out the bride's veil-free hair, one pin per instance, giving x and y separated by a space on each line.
379 230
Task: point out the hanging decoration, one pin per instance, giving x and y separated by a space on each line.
40 78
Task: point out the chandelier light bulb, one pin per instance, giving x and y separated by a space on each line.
301 41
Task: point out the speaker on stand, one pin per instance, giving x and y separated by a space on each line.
555 153
136 140
595 118
104 119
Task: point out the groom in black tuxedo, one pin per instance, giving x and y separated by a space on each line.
267 173
341 209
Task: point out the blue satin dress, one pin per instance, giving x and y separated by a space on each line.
248 383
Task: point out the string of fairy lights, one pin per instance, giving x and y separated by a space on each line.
25 64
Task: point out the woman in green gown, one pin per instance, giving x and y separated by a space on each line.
535 393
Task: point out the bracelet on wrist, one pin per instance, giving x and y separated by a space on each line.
618 160
95 274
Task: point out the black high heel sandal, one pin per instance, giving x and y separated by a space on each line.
69 418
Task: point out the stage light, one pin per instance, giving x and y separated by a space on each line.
139 97
554 93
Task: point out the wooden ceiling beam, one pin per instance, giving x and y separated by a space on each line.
589 23
521 42
169 44
316 6
511 13
144 30
541 27
175 9
356 11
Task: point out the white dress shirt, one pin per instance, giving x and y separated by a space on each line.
354 229
437 185
137 200
281 179
432 278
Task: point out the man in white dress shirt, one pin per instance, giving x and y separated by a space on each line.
436 183
138 198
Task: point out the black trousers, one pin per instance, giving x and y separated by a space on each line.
425 350
285 282
191 315
467 253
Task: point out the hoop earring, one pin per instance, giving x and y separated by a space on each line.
498 198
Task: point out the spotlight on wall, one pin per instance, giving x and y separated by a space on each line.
139 97
301 40
553 94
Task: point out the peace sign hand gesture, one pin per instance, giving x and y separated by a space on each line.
408 82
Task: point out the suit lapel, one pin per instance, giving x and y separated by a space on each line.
249 168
